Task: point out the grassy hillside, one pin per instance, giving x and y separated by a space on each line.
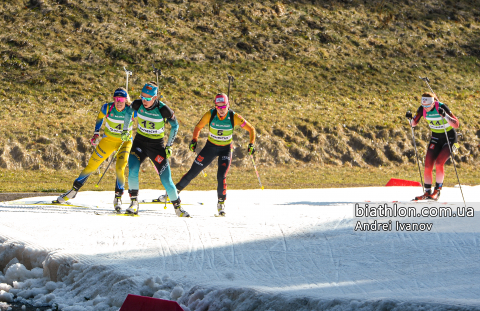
326 83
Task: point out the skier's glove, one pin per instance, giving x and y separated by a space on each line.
442 112
168 151
95 139
193 145
251 149
125 135
409 115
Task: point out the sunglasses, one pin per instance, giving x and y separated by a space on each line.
119 99
146 98
220 107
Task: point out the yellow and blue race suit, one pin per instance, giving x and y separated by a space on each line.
109 143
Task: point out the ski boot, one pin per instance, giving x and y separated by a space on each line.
117 202
70 194
435 195
425 196
133 208
429 195
221 208
179 210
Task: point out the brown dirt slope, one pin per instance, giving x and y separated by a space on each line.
324 82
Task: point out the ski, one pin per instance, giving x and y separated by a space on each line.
113 213
156 201
54 203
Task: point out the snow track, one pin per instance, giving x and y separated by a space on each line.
275 250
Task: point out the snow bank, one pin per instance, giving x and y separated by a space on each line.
85 288
297 252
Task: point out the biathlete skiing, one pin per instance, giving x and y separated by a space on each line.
440 119
152 115
221 122
114 115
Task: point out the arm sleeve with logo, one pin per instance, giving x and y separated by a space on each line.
203 121
100 117
169 115
239 120
451 119
129 111
416 118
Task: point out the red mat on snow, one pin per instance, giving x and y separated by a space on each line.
402 182
141 303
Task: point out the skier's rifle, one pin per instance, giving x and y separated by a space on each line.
128 73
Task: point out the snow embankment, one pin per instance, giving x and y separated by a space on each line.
275 251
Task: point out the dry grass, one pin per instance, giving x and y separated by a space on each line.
279 177
326 83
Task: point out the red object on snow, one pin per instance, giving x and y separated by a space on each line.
402 183
141 303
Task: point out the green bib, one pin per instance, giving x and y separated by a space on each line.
221 131
150 122
114 121
436 122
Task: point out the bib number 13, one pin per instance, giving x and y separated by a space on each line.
148 125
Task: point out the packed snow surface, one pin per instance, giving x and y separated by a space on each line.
276 250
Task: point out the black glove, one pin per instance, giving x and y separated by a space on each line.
442 112
409 115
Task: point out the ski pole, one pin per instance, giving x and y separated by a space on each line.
426 80
158 72
114 155
416 154
453 161
230 79
256 171
128 73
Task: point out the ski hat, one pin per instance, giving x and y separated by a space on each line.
120 93
427 101
149 89
221 99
